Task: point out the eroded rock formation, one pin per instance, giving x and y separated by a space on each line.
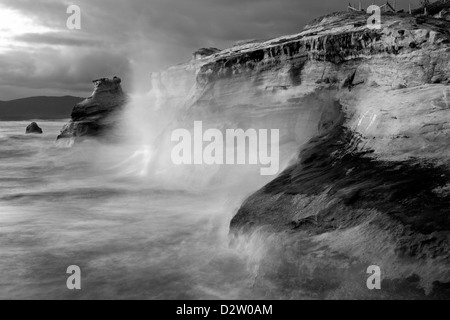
96 115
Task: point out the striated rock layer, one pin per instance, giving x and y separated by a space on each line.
369 114
96 115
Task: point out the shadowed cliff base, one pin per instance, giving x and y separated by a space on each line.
341 202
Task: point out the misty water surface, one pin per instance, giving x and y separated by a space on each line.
131 236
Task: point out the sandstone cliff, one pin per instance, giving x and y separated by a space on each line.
94 116
368 113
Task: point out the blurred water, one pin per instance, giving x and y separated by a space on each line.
141 228
131 237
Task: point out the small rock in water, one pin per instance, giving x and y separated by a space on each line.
33 128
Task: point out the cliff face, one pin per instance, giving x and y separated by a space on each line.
274 77
368 112
94 116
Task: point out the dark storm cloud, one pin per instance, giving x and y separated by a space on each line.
119 36
50 69
57 38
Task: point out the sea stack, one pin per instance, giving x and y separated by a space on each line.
33 128
94 116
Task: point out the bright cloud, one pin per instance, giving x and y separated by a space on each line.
12 24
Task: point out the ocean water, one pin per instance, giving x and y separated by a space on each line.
140 228
135 234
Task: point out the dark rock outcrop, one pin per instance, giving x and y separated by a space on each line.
96 115
33 128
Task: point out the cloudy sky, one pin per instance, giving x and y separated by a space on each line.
131 38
